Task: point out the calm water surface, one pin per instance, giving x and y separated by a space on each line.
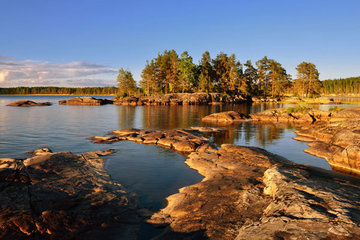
151 171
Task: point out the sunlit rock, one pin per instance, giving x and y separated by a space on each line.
225 117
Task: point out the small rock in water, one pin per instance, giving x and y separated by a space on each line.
105 153
41 151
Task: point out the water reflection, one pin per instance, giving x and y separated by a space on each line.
276 138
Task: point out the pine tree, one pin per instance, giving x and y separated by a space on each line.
278 78
307 82
126 83
206 78
262 68
251 76
148 83
187 72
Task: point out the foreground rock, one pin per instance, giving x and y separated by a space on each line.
226 117
85 101
64 196
28 103
181 99
249 193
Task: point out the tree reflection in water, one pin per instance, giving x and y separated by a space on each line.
170 117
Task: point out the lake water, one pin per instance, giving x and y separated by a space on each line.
151 171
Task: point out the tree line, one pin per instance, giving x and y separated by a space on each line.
171 73
60 90
342 86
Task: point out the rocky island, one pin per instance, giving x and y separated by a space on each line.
28 103
85 101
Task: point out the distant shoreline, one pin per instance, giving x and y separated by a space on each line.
57 94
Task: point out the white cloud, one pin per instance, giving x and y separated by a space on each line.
32 72
3 76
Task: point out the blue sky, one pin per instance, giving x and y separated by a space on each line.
84 42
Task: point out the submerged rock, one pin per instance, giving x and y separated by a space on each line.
85 101
28 103
65 196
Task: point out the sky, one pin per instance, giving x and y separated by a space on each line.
85 42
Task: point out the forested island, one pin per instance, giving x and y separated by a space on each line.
171 73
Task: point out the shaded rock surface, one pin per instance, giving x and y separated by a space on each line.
64 196
28 103
249 193
180 99
85 101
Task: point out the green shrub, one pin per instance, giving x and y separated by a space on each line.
298 109
335 109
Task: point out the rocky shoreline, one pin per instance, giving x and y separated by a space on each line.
249 193
334 135
246 193
182 99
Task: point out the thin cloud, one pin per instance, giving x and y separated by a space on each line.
33 72
2 57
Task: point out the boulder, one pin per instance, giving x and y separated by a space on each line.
28 103
225 117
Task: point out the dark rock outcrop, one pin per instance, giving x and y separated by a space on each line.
28 103
64 196
85 101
